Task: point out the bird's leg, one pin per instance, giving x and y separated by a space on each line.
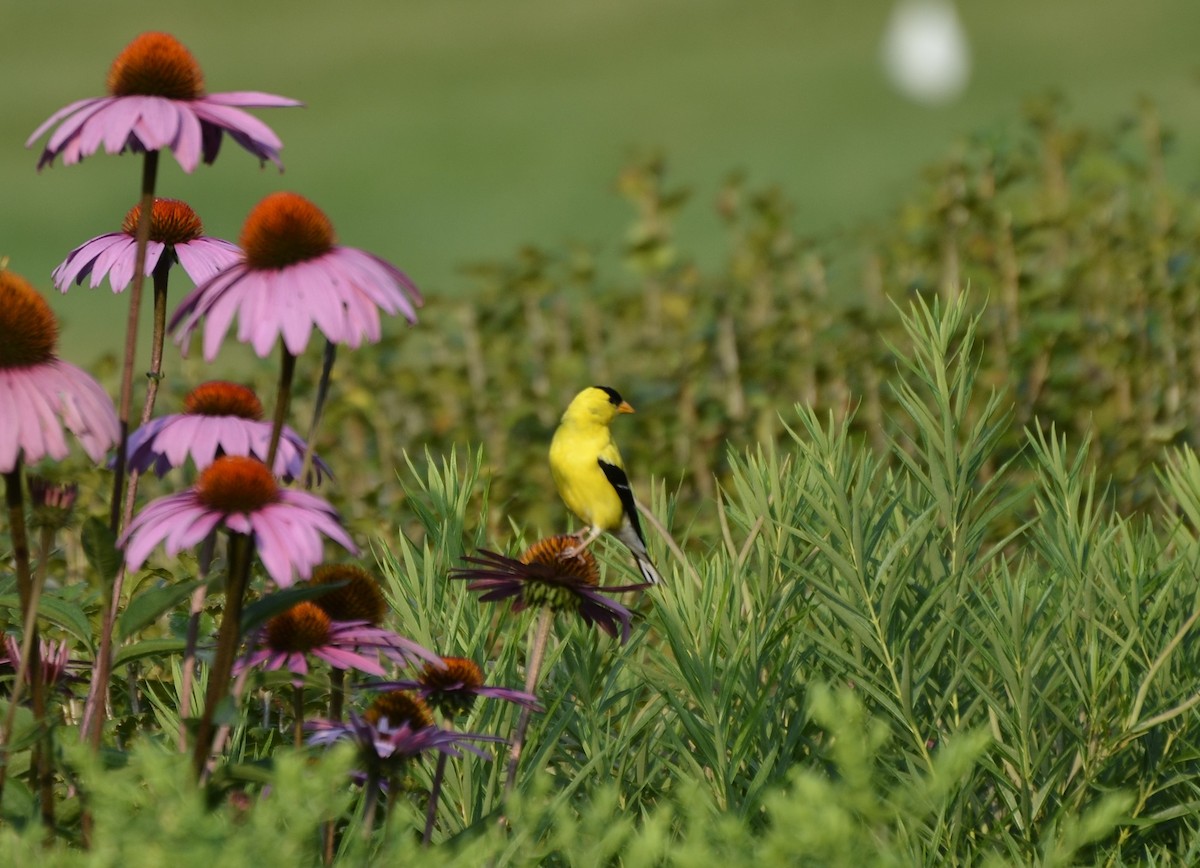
586 538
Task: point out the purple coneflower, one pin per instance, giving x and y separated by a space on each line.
546 576
218 418
286 640
292 277
453 688
174 230
39 393
396 728
156 100
239 494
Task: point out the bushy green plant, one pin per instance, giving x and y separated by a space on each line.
938 611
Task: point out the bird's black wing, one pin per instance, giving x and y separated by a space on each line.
617 478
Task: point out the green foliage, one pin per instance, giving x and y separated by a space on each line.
1073 236
939 613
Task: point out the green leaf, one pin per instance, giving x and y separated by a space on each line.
68 615
148 648
100 548
147 607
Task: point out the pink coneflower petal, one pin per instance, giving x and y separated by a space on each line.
40 400
288 527
294 279
287 640
204 257
156 101
175 231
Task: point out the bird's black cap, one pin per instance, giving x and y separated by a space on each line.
614 397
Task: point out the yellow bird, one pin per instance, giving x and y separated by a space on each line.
590 477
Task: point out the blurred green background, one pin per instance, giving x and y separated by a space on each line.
443 132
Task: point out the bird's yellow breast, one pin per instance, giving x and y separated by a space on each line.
574 461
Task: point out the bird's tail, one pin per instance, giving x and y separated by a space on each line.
629 535
647 569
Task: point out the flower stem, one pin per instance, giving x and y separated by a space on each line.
435 792
193 633
322 393
372 800
93 716
241 552
533 670
337 693
29 592
149 175
283 397
298 715
154 376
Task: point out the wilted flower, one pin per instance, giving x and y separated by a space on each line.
453 688
286 641
293 277
546 576
175 231
396 728
156 100
39 393
218 418
239 494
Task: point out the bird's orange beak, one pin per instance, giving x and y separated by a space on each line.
624 407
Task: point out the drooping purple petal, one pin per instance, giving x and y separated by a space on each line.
191 129
40 400
341 293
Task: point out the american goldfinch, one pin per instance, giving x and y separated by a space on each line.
590 477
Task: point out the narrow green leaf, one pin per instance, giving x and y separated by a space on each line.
100 549
145 608
271 605
148 648
66 614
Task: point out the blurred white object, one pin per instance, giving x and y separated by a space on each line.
925 51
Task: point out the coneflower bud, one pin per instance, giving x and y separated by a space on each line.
52 503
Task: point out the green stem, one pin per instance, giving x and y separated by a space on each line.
533 670
298 715
154 376
435 792
29 593
241 552
372 800
93 716
195 610
337 693
149 176
322 393
283 397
